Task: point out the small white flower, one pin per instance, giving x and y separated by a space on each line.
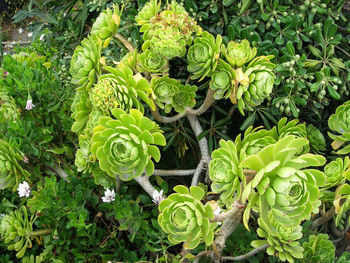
23 189
217 211
30 104
41 37
157 197
20 30
30 34
109 196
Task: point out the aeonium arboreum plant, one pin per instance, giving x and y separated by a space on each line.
185 218
336 172
125 145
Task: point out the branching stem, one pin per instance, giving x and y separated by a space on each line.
125 42
145 184
248 255
174 172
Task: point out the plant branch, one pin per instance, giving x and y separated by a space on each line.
343 51
209 100
248 255
145 184
249 172
40 232
174 172
323 218
125 42
164 119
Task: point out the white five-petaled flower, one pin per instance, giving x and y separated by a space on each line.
23 189
41 37
30 104
30 34
109 196
20 30
157 197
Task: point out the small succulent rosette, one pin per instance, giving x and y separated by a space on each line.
184 217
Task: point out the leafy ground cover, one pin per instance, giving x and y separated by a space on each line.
190 131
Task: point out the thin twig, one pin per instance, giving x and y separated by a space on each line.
174 172
343 51
323 218
125 42
248 255
209 100
164 119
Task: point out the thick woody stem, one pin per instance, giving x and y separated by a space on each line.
164 119
209 100
323 218
125 42
174 172
145 184
248 255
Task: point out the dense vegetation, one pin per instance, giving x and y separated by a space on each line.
193 131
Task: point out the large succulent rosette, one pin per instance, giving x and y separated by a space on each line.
203 56
151 62
81 109
316 139
284 187
150 10
184 97
223 80
282 240
106 24
164 89
238 54
339 123
293 127
185 218
225 172
15 229
319 249
336 172
125 145
255 83
11 173
85 63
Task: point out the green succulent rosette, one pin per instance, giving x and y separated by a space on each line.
254 84
151 62
283 186
184 97
83 155
81 109
228 178
238 54
282 240
107 24
185 218
8 109
150 10
316 139
16 229
342 200
130 60
11 173
319 249
203 56
295 128
339 122
125 145
223 80
336 172
85 62
164 89
255 140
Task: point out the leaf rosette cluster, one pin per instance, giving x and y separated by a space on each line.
164 89
316 139
150 61
336 172
125 145
185 218
319 249
184 97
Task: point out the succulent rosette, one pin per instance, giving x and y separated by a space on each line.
8 109
83 154
339 122
15 230
319 249
282 240
151 9
203 56
85 63
336 172
81 109
284 187
295 128
152 62
11 173
342 200
238 54
130 60
164 89
255 83
223 80
184 97
225 172
125 145
316 139
185 218
107 24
